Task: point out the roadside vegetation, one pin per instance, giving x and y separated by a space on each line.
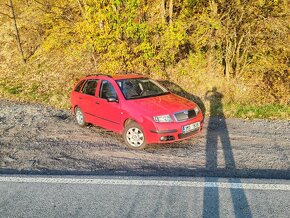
240 47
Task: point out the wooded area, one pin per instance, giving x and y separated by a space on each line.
241 47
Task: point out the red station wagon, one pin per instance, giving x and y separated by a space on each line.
139 108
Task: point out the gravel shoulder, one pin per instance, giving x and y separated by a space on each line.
36 139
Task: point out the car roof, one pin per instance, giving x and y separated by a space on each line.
115 77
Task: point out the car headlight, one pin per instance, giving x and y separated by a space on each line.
196 109
163 119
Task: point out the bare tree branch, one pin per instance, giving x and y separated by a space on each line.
7 15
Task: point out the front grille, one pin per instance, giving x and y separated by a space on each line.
185 135
185 115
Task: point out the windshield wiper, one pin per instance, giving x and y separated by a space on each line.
164 93
148 96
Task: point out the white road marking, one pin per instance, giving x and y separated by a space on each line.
134 182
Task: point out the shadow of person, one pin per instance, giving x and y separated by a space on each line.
176 89
217 129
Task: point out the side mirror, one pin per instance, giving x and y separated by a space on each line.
112 99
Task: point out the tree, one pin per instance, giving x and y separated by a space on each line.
17 34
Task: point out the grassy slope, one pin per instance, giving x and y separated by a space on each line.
48 79
37 85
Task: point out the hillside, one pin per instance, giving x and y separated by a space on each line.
241 48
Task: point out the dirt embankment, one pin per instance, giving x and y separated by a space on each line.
42 140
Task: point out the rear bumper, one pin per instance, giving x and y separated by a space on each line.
172 132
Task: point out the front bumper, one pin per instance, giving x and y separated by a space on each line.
172 132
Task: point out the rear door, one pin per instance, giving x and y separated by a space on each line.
88 100
76 94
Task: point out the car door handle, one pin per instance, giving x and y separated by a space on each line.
97 102
80 98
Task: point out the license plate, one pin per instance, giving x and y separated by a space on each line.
190 127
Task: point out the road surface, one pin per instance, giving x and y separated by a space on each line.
35 139
75 196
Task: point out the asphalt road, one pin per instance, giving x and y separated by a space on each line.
32 196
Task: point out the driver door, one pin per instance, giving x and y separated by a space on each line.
109 112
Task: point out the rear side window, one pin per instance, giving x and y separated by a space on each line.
90 87
79 86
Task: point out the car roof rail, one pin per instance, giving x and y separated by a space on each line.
99 75
125 72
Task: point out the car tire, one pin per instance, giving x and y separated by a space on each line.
80 118
134 136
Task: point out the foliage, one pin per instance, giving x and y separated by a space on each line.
268 111
239 46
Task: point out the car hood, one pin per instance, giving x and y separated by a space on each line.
160 105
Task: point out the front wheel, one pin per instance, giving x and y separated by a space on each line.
133 136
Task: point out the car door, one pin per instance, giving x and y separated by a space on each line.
109 111
76 94
88 100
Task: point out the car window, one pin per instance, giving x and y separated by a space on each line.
79 86
107 90
90 87
140 88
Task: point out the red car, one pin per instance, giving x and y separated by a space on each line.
139 108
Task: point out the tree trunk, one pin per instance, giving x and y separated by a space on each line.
95 62
228 58
170 11
10 4
82 9
239 55
210 53
212 41
144 16
163 10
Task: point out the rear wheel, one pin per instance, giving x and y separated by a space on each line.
80 117
133 136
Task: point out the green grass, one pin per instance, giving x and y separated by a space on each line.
14 90
267 111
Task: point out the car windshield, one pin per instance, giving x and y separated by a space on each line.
140 88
